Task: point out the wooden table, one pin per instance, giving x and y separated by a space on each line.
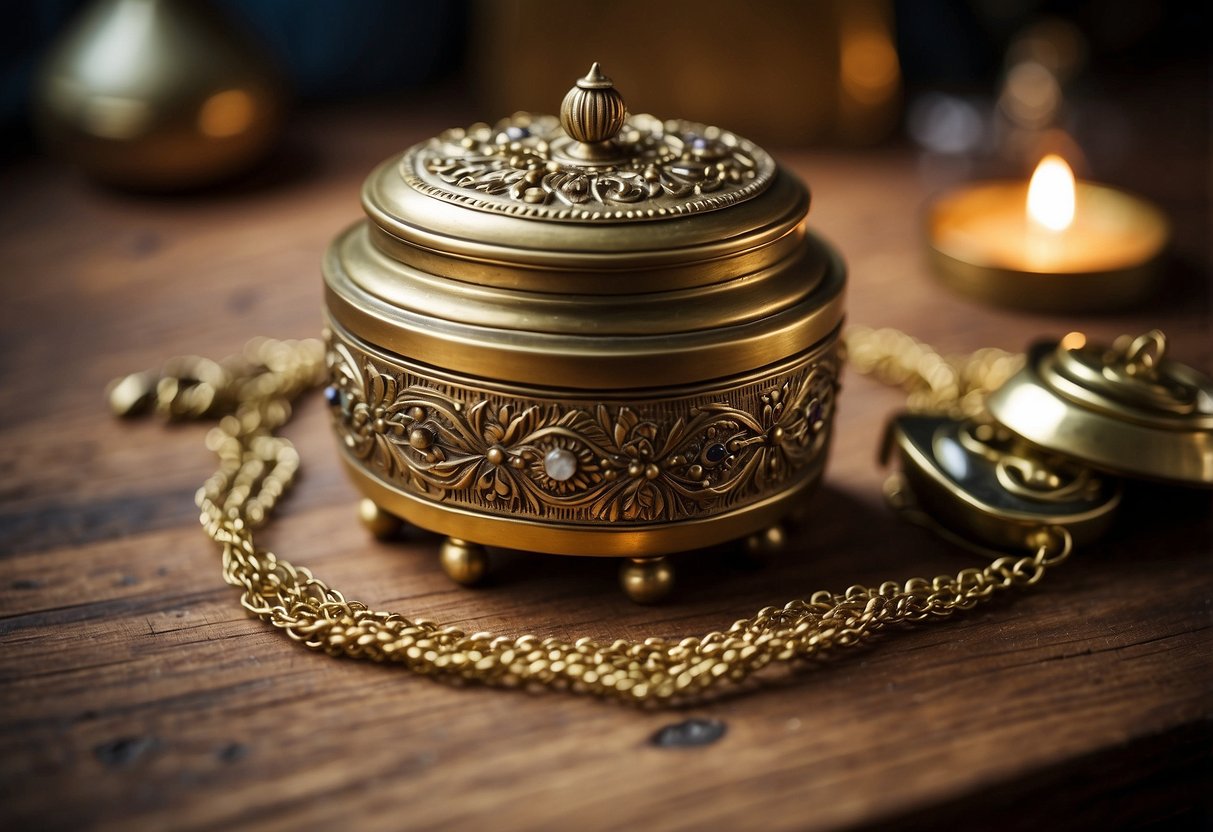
136 694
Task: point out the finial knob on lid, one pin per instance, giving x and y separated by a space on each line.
593 110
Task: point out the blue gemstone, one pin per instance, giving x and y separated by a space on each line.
699 143
814 413
333 396
516 133
715 453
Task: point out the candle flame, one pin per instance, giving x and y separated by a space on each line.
1051 194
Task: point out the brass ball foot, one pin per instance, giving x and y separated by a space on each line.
464 563
769 541
377 521
646 580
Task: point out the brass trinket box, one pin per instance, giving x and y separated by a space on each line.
599 334
1056 440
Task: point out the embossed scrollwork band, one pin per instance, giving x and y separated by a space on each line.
579 461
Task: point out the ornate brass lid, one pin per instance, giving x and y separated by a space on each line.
594 163
596 182
1127 408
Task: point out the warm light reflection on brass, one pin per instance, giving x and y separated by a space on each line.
1073 341
227 113
115 117
1127 408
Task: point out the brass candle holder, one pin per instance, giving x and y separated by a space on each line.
1103 253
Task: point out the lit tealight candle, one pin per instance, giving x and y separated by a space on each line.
1051 244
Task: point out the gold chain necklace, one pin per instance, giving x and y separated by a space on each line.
252 394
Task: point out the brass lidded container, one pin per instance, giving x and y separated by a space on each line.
1056 440
598 334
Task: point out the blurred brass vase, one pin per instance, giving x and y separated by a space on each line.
158 95
594 335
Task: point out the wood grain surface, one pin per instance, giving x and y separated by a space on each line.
136 694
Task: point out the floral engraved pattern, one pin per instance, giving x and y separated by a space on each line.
516 166
576 461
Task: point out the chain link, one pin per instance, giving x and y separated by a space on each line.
955 386
254 391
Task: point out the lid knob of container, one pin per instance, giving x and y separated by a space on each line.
592 113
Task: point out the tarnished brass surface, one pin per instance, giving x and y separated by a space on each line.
1126 409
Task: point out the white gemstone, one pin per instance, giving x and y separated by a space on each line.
560 464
